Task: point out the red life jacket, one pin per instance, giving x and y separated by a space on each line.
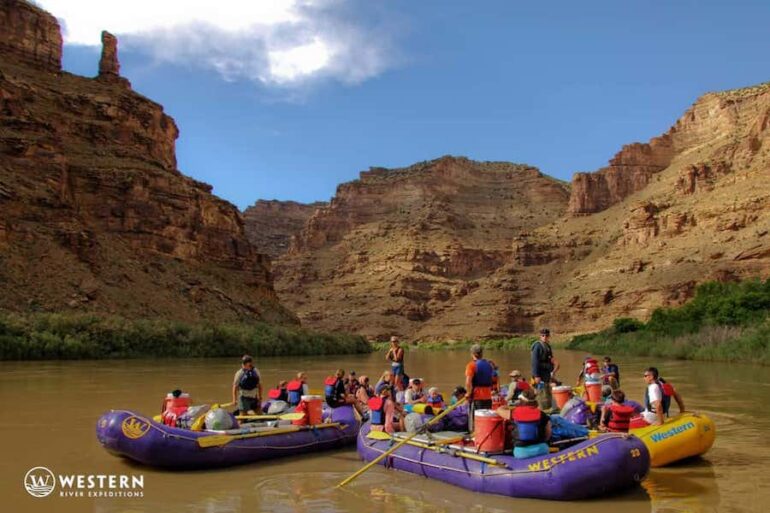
377 410
620 417
527 419
294 389
330 387
174 407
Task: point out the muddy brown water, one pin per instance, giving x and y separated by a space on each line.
50 410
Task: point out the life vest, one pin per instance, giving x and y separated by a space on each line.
435 402
666 391
249 379
544 358
174 407
483 375
330 388
277 394
527 419
620 417
294 392
377 410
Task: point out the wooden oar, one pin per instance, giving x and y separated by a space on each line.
285 416
381 435
220 440
402 442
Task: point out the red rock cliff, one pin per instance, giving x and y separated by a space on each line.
271 224
94 214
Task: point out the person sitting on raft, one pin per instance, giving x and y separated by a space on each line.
296 388
402 383
279 393
517 386
616 416
383 412
365 390
334 390
414 394
434 399
657 399
610 373
533 427
385 380
351 383
247 387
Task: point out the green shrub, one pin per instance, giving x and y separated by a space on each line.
86 336
724 321
627 325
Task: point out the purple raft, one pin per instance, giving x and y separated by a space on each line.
128 434
602 465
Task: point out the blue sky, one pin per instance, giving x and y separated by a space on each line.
559 85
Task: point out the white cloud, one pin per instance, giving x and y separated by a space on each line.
274 42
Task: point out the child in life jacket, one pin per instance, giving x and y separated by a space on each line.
278 393
616 416
533 427
435 400
296 388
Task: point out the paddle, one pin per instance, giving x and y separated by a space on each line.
402 442
284 416
220 440
381 435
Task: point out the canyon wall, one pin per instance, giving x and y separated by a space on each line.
94 214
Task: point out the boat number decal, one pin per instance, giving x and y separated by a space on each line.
658 437
134 428
549 463
635 453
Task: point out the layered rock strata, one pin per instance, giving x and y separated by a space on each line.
94 214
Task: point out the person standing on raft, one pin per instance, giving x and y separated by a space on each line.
478 382
396 357
544 366
247 387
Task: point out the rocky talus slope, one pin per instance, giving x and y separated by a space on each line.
454 249
94 214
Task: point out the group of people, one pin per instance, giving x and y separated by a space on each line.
526 403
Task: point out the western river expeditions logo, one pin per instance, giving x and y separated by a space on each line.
41 482
134 427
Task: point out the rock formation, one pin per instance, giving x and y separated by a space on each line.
404 250
458 249
271 225
94 214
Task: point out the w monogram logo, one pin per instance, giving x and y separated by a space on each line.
134 428
39 482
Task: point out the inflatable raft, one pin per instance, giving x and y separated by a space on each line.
679 437
134 436
604 464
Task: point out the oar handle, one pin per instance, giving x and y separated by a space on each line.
399 444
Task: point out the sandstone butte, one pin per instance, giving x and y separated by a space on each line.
456 249
94 214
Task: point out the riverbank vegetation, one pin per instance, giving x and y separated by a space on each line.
82 336
724 321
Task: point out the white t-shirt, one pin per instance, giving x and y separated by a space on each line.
655 393
412 395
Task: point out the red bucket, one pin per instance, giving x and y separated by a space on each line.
313 408
594 392
561 395
489 431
